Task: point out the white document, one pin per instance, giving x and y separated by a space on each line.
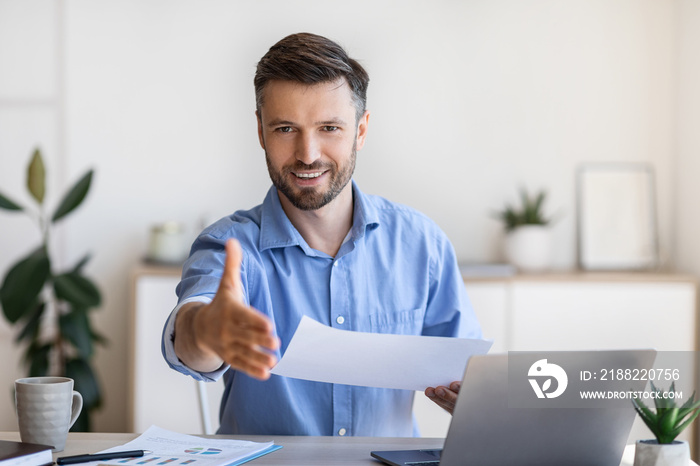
410 362
175 449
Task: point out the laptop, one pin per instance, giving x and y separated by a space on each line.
537 429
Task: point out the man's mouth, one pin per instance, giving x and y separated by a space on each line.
307 176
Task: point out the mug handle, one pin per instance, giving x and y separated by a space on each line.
76 407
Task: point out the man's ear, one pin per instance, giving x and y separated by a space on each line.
261 138
362 125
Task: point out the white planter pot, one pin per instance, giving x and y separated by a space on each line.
652 453
529 248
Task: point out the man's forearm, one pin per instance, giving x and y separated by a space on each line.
187 348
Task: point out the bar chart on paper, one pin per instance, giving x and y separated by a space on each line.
174 449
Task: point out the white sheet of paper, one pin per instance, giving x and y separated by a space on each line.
411 362
176 449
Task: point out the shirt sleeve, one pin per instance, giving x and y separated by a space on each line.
201 275
449 311
168 347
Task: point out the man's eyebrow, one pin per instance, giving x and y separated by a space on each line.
331 122
278 122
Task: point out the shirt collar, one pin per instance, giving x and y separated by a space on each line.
276 231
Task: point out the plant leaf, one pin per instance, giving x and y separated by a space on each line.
647 415
99 338
8 204
688 407
85 382
76 289
37 356
79 266
23 283
76 329
682 427
31 328
74 197
36 177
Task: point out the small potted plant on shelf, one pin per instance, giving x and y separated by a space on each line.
666 424
528 241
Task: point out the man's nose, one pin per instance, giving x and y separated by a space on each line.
308 149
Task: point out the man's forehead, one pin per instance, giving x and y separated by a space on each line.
292 96
279 88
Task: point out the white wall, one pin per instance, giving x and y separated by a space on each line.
469 100
687 252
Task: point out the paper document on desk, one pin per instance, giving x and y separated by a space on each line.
410 362
176 449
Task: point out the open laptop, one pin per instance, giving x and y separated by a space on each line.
486 431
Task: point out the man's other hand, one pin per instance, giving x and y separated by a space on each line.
445 397
226 330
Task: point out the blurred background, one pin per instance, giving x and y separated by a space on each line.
469 100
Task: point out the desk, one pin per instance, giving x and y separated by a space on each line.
297 451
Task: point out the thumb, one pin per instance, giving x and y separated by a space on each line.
231 276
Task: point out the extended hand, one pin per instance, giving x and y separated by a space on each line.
227 330
445 397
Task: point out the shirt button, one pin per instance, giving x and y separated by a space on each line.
342 431
340 320
335 264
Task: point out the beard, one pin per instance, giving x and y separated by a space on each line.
312 198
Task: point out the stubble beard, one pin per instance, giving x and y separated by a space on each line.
312 198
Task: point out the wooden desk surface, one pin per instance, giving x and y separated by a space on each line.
296 451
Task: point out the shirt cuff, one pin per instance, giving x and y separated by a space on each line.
168 347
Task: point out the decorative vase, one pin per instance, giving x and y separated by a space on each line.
528 247
653 453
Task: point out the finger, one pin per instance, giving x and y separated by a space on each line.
431 393
252 355
247 320
258 371
444 405
446 394
231 276
249 337
455 386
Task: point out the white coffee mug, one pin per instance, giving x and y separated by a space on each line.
47 407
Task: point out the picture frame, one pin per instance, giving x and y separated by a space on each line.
616 205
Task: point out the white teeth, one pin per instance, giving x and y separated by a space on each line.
309 175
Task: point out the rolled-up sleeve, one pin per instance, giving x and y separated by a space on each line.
168 346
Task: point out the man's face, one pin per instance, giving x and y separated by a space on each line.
310 136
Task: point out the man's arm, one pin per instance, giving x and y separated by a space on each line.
226 330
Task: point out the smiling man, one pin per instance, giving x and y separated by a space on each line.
316 246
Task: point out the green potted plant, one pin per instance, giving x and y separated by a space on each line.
528 241
666 424
50 307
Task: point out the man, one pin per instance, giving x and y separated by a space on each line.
316 246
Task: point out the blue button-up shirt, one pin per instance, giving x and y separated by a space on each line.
395 273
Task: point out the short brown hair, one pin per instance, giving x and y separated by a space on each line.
311 59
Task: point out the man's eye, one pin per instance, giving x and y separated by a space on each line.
284 129
330 128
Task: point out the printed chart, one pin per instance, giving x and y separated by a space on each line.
174 449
